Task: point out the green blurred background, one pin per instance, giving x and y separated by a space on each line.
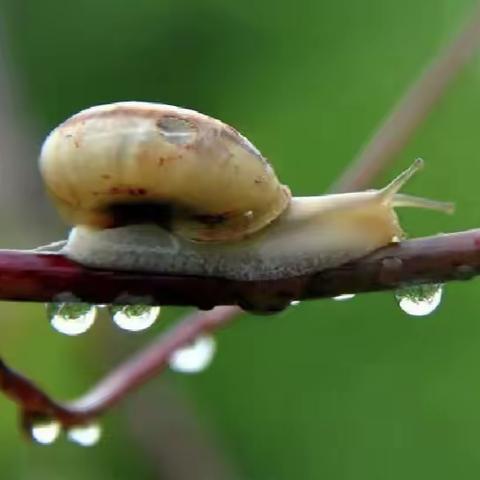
334 390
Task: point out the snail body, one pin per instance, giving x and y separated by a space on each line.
156 188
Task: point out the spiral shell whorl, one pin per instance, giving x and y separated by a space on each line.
135 162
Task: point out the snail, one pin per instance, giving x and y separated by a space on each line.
158 188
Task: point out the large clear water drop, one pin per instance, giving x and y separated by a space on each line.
195 357
419 300
134 318
45 432
85 435
71 318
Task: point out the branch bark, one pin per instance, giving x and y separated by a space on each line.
400 125
29 276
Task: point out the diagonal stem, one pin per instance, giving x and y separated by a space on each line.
398 127
34 403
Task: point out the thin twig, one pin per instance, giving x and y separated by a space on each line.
397 129
34 403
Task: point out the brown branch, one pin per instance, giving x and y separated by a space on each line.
29 276
34 403
397 129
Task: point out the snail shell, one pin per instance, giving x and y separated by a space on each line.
137 162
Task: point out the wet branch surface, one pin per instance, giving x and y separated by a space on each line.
40 277
47 277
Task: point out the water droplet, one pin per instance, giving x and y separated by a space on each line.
85 435
45 431
419 300
71 318
344 296
134 317
195 357
294 303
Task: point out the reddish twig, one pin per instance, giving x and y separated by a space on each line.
397 129
34 403
41 277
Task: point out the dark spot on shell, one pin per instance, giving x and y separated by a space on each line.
133 191
75 140
211 219
176 130
137 191
127 213
105 176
